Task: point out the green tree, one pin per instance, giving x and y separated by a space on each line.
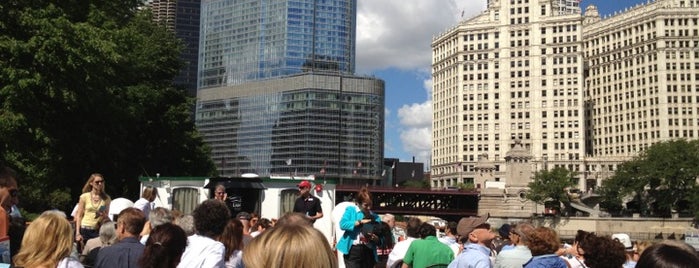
660 180
550 186
85 86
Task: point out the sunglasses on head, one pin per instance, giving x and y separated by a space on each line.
99 182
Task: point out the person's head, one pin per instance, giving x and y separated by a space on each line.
426 230
475 230
130 223
389 219
94 182
289 246
639 247
9 194
254 218
244 217
543 240
164 247
159 216
186 222
293 218
504 231
602 252
580 237
304 188
47 240
668 254
262 225
210 217
232 237
364 199
149 193
412 228
450 228
625 240
220 192
520 233
108 233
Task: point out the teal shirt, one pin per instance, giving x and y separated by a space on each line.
428 251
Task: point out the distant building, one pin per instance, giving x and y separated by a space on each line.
538 78
277 94
182 17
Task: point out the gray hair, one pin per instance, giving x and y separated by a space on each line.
186 222
159 216
523 230
388 216
108 233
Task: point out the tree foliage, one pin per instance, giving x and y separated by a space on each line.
661 179
550 185
85 86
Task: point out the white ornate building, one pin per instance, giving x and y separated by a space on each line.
577 91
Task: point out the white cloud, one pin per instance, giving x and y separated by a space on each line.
418 142
398 33
416 115
417 137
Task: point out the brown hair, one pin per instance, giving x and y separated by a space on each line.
363 196
164 247
132 219
543 240
603 252
669 254
149 193
232 237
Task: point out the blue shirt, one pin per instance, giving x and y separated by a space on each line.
349 218
546 261
473 256
124 254
514 257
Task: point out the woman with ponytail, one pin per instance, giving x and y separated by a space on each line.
164 247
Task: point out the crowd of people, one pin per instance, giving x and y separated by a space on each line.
524 245
146 236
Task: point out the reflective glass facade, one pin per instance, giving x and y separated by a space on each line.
182 17
248 40
321 122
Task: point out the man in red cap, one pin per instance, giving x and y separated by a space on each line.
308 204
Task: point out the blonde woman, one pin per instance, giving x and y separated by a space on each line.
38 251
300 245
93 208
146 202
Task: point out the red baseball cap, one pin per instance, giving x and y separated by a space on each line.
305 184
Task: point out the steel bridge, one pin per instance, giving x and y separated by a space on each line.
450 205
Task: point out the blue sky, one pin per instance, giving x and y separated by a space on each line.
393 43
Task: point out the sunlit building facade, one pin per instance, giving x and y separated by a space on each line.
576 91
278 95
250 40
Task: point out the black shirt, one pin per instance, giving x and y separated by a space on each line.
309 206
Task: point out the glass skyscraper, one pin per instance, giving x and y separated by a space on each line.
277 91
247 40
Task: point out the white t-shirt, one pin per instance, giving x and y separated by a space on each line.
203 252
398 252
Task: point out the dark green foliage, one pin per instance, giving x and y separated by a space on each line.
662 179
85 86
550 185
